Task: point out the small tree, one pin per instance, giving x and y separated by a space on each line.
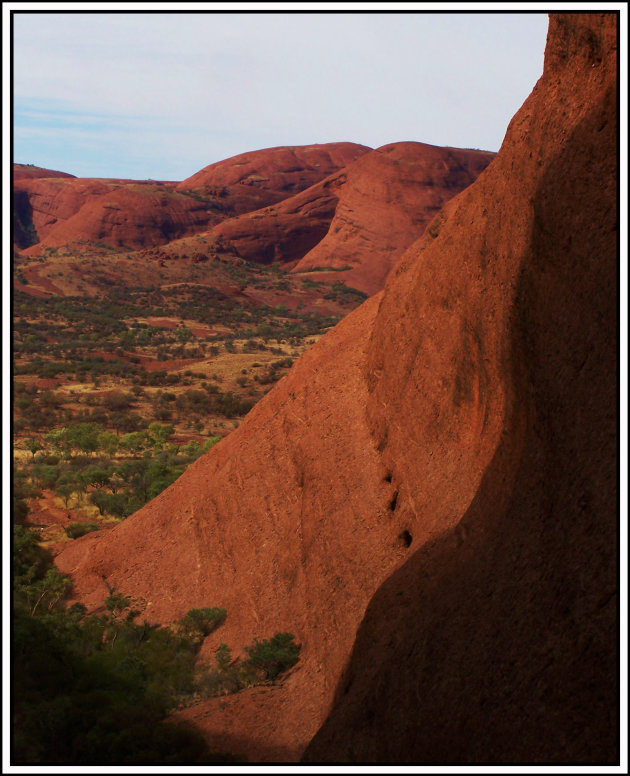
160 433
273 656
65 490
198 623
96 476
134 442
99 499
223 657
211 442
108 442
53 586
75 530
33 445
116 603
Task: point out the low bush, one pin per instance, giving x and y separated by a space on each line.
198 623
273 656
74 530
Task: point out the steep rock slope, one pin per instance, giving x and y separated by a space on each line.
41 202
24 177
389 197
256 179
445 455
496 642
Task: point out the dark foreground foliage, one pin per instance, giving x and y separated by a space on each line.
96 689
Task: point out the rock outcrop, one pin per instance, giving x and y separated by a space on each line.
428 500
496 641
82 213
22 171
389 197
256 179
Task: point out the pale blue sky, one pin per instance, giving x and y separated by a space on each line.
161 95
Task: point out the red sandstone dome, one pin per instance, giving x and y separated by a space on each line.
22 171
256 179
122 215
428 500
388 199
362 216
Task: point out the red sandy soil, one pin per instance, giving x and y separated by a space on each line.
173 364
148 362
164 323
37 285
44 512
428 499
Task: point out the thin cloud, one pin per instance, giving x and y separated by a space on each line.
196 88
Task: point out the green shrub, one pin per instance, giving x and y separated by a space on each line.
198 623
273 656
74 530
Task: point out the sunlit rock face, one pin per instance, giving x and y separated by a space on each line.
496 641
386 200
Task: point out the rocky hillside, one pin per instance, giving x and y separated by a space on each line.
341 206
428 500
57 211
388 198
354 225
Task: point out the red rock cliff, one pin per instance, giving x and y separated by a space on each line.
496 641
445 458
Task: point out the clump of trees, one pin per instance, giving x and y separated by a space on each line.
96 688
82 463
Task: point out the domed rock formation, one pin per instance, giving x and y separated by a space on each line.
389 197
256 179
125 215
438 472
22 171
57 211
362 217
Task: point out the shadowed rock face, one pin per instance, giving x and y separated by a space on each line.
438 472
496 641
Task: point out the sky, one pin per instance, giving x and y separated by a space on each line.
161 95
